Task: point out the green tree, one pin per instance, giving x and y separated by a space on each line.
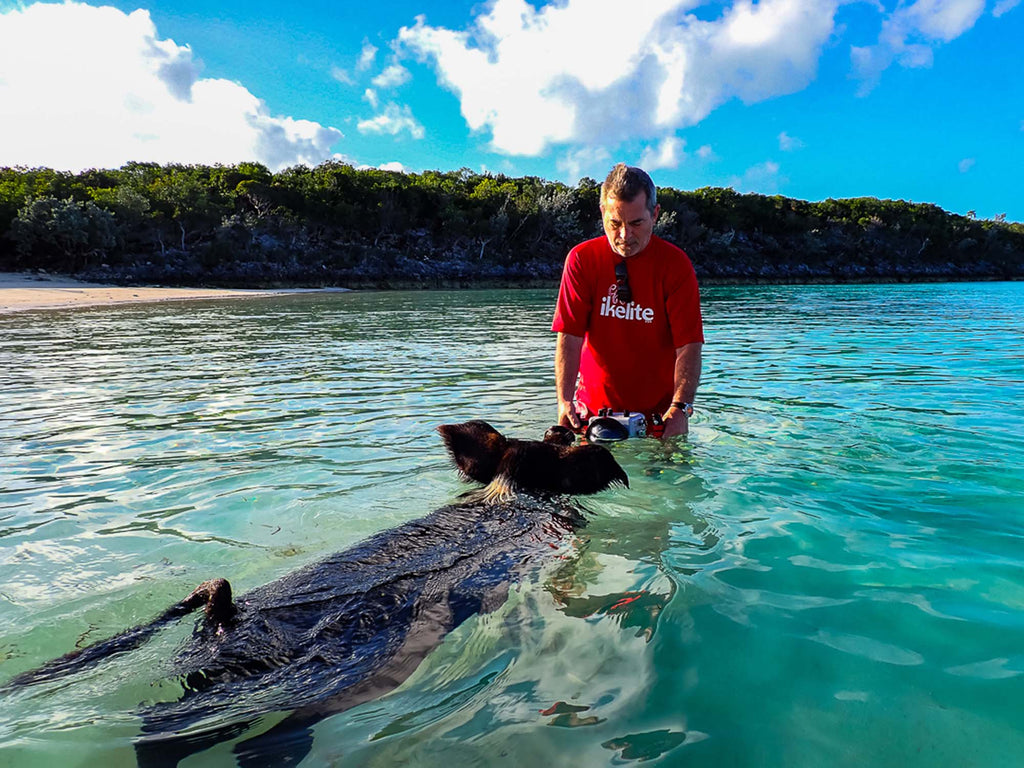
64 235
183 196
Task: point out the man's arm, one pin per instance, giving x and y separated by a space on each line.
687 377
567 367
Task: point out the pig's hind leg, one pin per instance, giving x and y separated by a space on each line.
214 596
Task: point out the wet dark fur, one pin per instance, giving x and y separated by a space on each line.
355 625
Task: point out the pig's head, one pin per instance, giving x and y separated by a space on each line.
550 466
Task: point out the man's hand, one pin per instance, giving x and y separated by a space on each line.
567 367
567 416
676 423
687 377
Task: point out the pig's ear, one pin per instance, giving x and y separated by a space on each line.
547 468
476 448
586 469
560 435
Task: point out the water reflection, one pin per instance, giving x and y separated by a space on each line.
645 746
839 536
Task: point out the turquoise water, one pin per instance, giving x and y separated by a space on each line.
827 571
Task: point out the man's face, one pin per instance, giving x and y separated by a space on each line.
628 225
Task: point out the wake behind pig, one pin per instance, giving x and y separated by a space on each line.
351 627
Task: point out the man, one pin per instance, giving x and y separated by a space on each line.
628 315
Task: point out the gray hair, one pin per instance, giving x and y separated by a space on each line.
625 182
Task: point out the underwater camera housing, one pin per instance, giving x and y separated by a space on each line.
610 426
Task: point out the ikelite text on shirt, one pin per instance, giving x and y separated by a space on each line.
632 311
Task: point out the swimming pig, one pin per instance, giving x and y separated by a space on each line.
351 627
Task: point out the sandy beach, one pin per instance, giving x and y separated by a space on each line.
24 291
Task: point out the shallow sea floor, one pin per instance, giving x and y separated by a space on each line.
827 571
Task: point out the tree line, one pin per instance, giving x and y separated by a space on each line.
333 224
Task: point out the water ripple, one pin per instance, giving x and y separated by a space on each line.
840 535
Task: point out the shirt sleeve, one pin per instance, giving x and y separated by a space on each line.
572 313
683 305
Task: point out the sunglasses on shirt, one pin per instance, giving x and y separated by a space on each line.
622 291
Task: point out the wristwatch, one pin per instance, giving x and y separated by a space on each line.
686 408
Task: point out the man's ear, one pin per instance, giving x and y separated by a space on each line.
476 448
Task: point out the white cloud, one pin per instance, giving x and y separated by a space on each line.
706 153
392 77
789 143
94 87
966 164
585 161
942 20
762 178
366 56
342 76
391 166
365 61
1004 6
667 154
910 34
580 72
393 120
370 97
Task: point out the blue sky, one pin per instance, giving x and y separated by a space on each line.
920 100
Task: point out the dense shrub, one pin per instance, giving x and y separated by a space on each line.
243 224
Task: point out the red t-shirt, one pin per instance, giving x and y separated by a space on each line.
629 351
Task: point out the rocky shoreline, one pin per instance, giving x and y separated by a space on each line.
408 274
